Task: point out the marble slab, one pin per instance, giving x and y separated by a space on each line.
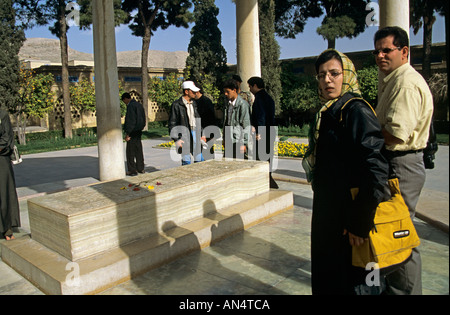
55 274
91 220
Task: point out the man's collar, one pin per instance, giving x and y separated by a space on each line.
233 103
396 72
185 101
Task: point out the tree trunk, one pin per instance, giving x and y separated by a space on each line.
65 74
21 131
332 43
147 23
144 64
427 43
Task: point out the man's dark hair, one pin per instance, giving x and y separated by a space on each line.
199 85
401 38
258 81
327 56
231 84
237 78
126 95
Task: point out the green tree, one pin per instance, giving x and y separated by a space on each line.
270 51
165 91
423 15
11 40
45 13
207 56
120 16
146 17
336 27
291 16
36 99
82 96
368 82
342 18
300 98
56 13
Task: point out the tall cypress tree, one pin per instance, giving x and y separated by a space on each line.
207 56
11 40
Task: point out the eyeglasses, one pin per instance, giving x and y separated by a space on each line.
332 75
385 51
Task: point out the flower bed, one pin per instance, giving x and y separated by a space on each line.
284 148
292 149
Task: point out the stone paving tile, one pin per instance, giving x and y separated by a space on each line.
271 258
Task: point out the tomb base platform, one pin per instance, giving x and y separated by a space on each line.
72 262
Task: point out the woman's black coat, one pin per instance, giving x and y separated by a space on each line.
348 156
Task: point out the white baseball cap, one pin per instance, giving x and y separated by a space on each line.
189 85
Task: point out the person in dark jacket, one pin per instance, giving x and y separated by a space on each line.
263 124
345 153
185 125
9 204
206 111
135 122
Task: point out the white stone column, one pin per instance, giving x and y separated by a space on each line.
109 128
394 13
248 43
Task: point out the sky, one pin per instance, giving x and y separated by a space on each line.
306 44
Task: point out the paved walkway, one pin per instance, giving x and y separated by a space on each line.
271 258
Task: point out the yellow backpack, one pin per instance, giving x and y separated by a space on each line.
393 237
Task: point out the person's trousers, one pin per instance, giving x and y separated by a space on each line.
135 155
196 149
9 204
410 170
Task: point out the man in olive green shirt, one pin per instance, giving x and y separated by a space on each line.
405 110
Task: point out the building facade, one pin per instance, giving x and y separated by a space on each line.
130 79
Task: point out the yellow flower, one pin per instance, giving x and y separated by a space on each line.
291 149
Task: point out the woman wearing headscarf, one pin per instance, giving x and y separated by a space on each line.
9 205
345 153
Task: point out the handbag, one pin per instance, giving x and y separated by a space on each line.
393 236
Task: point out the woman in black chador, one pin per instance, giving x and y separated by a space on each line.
345 152
9 204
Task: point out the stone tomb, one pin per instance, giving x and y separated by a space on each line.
88 239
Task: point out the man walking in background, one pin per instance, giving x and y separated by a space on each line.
263 124
135 122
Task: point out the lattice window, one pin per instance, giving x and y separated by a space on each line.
59 110
156 108
136 96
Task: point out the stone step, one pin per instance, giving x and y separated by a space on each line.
55 274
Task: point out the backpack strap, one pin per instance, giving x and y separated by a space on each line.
355 99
